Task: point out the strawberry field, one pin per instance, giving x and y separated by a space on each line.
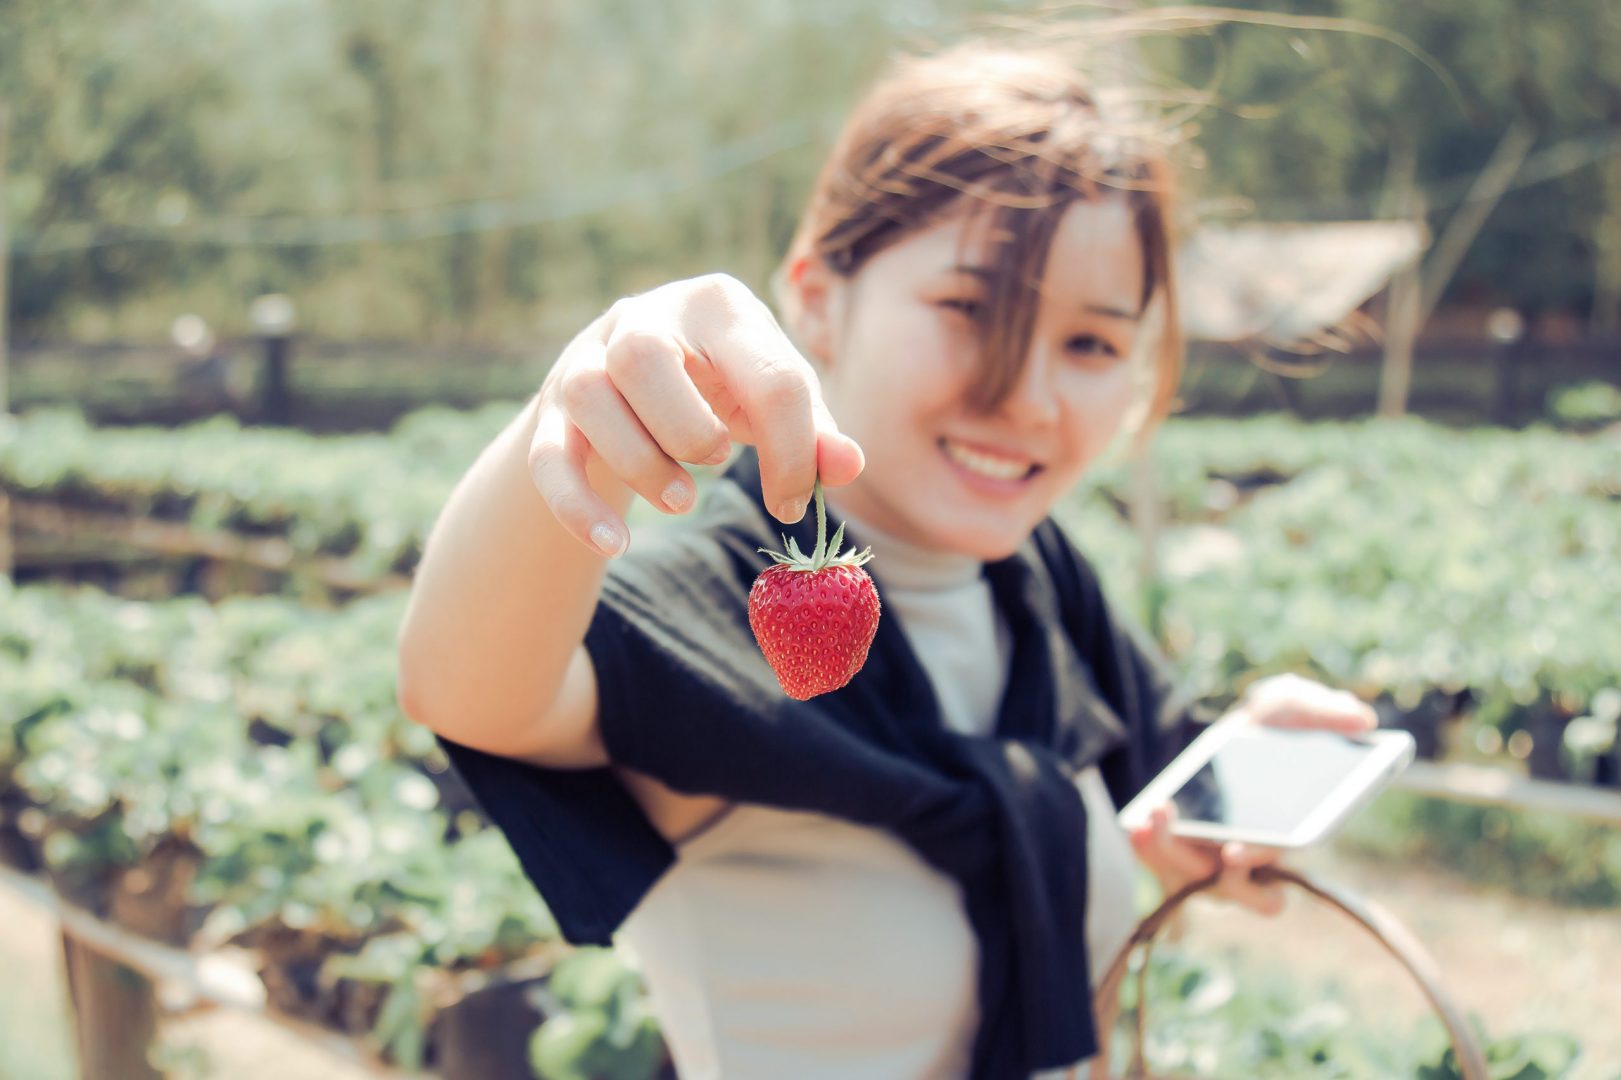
1445 574
199 740
1465 581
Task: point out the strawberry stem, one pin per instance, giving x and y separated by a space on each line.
826 553
820 558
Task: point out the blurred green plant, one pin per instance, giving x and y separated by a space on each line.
319 810
1404 561
1537 1056
1203 1020
1412 563
1585 405
1531 853
598 1025
315 812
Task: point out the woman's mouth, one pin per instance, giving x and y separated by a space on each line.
988 472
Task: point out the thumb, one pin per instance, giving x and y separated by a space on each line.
839 458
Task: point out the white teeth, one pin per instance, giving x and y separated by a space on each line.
997 468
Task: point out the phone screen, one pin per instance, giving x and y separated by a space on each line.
1270 783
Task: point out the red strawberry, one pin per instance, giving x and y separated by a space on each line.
814 615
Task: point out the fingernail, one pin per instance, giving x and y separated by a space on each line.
678 496
607 539
792 510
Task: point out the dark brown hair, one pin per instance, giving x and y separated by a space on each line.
1017 134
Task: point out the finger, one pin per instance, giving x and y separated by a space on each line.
1361 716
1236 884
557 457
1291 701
839 458
1169 854
1249 856
778 392
608 423
648 368
1347 716
779 398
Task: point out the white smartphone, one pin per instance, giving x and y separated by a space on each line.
1280 787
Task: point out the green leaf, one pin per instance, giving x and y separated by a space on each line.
833 545
590 979
400 1024
568 1046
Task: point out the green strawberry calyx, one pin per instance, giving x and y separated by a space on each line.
826 553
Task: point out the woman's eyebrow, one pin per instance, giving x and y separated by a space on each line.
1111 312
1106 310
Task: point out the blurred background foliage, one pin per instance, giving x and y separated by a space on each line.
448 188
491 171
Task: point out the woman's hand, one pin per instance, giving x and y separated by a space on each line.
1179 860
1288 701
677 375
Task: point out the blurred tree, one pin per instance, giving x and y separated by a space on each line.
419 168
1314 121
110 102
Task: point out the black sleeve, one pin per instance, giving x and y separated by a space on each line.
581 839
676 664
663 643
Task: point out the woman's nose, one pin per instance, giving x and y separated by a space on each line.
1033 400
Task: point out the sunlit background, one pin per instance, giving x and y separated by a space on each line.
276 270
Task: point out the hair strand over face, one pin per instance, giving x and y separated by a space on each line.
1013 138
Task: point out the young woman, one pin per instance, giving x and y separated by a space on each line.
917 875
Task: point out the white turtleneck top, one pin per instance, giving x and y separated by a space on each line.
787 945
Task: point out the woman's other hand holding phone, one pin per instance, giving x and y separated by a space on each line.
1285 701
1290 701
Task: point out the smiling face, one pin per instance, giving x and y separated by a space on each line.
898 348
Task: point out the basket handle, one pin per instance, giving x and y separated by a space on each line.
1390 933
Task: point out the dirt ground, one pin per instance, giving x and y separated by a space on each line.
35 1032
1522 965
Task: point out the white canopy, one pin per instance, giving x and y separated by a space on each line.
1286 282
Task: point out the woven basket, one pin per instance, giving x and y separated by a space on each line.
1381 924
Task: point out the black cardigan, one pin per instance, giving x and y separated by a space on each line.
686 697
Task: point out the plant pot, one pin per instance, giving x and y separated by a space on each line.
290 967
1425 722
1546 722
85 884
485 1032
355 1005
19 848
15 850
153 898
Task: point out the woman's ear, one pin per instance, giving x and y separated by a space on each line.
812 298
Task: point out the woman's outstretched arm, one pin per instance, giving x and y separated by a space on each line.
489 651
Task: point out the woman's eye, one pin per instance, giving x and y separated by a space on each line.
969 308
1091 345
